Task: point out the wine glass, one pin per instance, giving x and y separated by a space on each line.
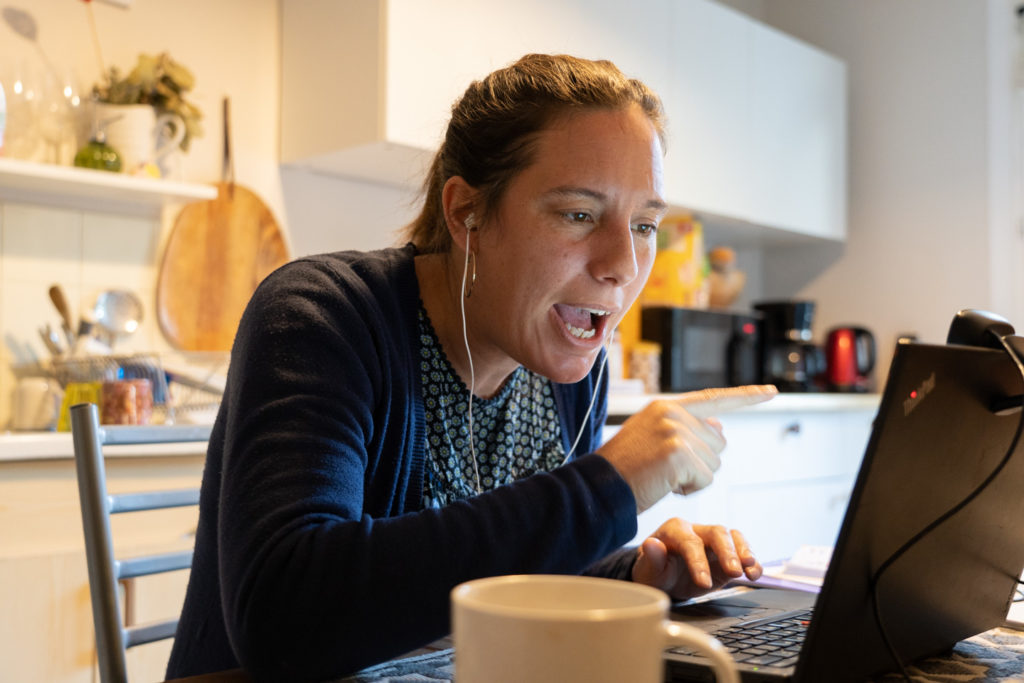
23 90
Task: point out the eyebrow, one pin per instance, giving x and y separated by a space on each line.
573 191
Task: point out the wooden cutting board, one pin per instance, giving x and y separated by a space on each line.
217 253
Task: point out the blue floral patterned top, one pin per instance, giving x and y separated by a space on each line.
516 432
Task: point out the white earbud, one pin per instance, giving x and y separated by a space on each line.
470 222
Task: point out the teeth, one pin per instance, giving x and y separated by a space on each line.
580 332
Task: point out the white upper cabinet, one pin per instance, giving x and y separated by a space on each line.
756 119
798 137
707 99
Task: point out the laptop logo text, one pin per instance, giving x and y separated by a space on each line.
917 395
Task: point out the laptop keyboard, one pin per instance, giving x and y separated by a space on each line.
775 643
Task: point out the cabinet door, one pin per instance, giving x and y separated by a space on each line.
707 167
756 119
778 518
798 113
435 49
773 447
147 599
44 581
695 508
788 476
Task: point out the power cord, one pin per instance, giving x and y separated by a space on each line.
941 519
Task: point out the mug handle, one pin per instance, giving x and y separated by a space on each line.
684 635
176 125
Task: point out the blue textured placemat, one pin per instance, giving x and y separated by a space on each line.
996 656
428 668
993 656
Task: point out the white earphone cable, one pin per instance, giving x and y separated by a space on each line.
593 398
472 375
469 356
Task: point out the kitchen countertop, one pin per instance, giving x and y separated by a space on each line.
160 440
627 404
167 440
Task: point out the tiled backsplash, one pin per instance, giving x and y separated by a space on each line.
84 252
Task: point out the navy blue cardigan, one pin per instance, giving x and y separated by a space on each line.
313 558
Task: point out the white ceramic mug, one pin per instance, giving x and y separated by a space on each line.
538 628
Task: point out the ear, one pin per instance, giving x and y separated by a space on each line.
458 199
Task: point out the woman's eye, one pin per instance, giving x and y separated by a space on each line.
578 216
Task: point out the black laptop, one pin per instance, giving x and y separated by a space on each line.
915 569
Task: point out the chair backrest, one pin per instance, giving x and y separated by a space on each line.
113 638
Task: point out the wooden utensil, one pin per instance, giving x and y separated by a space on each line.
216 255
60 302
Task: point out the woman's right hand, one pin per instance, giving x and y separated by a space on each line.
673 444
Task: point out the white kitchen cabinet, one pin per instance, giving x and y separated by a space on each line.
786 474
798 135
756 118
44 581
399 65
434 50
708 105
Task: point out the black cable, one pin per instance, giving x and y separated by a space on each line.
940 520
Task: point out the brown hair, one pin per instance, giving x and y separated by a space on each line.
489 136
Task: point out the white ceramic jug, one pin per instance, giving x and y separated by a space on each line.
138 134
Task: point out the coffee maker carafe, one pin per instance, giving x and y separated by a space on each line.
788 358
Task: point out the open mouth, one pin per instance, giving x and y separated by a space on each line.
582 322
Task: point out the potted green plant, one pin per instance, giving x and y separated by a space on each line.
146 112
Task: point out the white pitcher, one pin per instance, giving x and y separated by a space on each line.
138 134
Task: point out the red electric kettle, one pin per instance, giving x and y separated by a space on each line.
849 358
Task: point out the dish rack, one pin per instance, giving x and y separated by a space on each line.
186 387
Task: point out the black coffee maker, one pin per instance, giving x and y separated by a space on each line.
788 358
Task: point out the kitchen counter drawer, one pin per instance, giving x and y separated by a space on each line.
792 446
786 475
777 518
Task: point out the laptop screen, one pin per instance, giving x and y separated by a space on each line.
935 440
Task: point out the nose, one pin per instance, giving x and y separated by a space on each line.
613 254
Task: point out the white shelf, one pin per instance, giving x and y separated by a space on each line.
90 190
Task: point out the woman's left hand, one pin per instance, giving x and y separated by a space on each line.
686 560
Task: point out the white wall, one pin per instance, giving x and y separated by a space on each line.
232 47
932 204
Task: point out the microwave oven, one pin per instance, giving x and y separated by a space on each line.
703 348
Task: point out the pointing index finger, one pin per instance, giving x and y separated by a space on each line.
710 402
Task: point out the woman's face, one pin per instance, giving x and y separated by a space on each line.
570 245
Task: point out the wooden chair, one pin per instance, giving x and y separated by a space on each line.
113 638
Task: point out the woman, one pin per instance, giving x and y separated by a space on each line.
350 480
